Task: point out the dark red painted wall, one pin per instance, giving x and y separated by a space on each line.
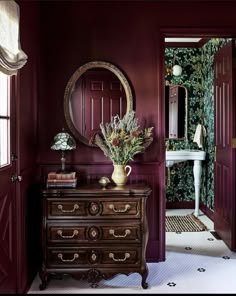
127 34
123 35
60 36
75 34
26 147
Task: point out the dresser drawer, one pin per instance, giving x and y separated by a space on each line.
94 233
88 257
65 233
103 232
117 208
66 208
98 208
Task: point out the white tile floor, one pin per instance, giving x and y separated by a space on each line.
195 263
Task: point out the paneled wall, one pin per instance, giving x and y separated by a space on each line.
128 34
80 35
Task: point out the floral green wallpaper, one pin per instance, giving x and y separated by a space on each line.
197 77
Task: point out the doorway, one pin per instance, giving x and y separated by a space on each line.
179 196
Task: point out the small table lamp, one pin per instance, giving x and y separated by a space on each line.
63 142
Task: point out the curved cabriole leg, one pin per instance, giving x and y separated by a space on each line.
94 276
44 280
144 279
144 283
94 285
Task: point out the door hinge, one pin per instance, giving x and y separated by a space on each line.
16 178
233 144
234 63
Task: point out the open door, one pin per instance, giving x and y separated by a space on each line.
225 132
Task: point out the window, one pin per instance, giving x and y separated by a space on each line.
4 119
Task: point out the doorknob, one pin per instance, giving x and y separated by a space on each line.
15 178
14 157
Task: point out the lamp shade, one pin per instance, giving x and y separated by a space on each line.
63 141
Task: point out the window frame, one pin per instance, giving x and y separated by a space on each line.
5 116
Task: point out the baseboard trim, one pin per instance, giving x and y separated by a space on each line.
208 212
180 205
191 205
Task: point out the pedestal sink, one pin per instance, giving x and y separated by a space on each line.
197 156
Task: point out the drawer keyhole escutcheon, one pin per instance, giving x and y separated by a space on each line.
94 233
94 208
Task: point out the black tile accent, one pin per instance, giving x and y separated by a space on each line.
226 257
188 248
171 284
216 235
201 269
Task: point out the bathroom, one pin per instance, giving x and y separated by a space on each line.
197 77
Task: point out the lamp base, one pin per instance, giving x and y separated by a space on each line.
61 171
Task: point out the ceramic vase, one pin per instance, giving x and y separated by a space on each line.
120 174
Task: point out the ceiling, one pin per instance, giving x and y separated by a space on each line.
182 40
185 42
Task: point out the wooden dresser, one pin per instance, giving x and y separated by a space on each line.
94 233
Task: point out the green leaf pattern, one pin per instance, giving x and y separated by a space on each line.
197 77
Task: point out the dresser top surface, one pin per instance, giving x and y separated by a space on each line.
96 189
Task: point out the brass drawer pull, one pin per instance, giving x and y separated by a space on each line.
60 207
75 232
112 232
111 255
112 207
60 256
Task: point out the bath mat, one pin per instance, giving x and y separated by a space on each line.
188 223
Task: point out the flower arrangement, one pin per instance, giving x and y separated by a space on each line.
122 138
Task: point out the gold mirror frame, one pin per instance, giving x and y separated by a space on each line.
186 114
70 87
185 138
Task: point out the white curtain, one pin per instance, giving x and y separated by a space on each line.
12 57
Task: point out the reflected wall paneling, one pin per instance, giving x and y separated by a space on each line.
98 96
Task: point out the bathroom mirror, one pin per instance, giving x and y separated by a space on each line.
176 112
95 92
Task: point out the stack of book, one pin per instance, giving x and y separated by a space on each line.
62 180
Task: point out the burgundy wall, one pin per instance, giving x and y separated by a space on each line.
127 34
60 36
76 33
26 146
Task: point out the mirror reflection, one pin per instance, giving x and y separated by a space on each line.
176 112
95 92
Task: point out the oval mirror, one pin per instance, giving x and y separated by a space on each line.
176 108
95 92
